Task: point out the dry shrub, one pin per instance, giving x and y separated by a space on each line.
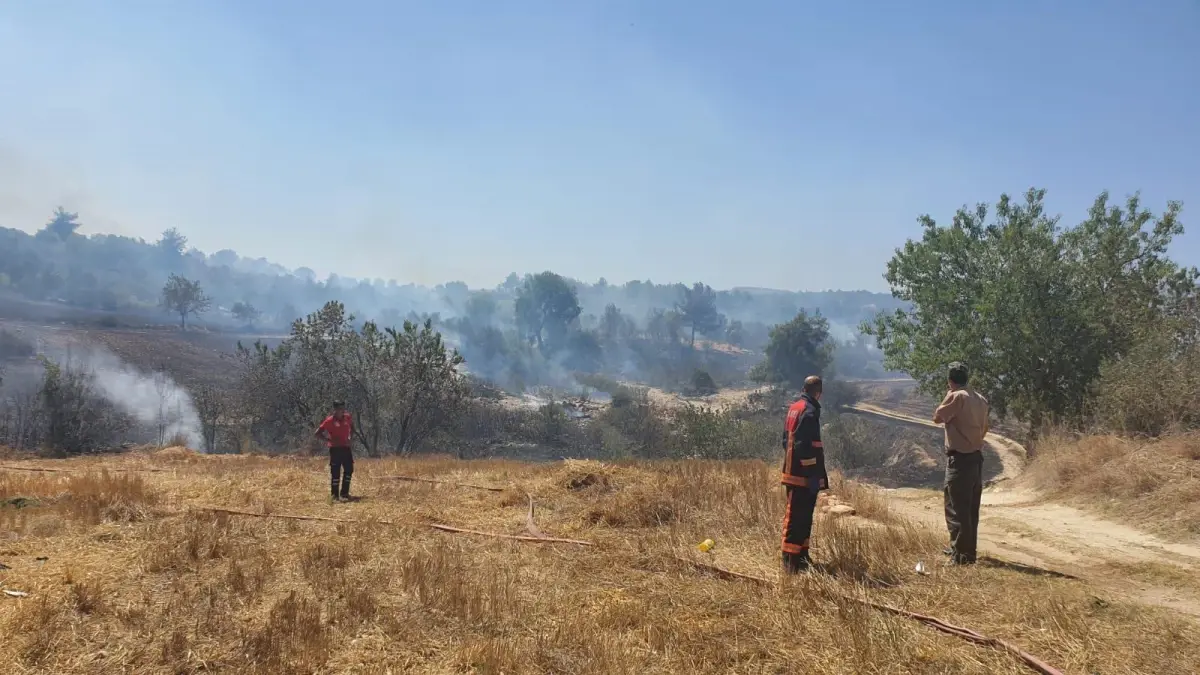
1152 390
37 630
86 595
636 507
324 562
1153 482
864 551
443 578
106 497
586 475
868 502
293 639
201 537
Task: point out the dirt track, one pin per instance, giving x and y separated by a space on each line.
1017 525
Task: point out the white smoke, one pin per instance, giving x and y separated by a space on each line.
153 399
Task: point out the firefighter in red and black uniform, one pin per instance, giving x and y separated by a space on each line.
803 473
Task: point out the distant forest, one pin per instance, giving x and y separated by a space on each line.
125 275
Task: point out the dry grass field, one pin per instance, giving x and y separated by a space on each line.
125 571
1153 483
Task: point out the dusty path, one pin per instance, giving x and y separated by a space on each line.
1018 525
1011 453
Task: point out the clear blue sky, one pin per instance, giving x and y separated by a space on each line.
782 144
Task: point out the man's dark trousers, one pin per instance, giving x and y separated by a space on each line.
341 464
797 527
962 493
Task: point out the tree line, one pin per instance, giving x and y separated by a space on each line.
115 273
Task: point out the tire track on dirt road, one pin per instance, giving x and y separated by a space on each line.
1020 525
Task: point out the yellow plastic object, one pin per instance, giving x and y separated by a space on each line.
706 545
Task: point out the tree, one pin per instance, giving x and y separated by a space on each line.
169 413
614 326
481 308
77 418
62 224
245 312
184 297
546 305
735 333
795 350
172 243
697 307
403 385
210 407
1033 309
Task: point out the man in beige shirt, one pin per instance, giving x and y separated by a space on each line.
965 415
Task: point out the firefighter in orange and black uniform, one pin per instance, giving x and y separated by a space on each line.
803 473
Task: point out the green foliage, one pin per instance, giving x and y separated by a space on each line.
62 225
614 327
697 308
185 298
401 385
735 333
797 349
546 304
245 312
73 417
172 243
1033 309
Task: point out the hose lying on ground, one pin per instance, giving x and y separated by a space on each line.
933 622
435 526
539 537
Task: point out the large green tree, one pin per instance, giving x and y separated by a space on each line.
797 349
1033 308
402 384
185 297
546 304
697 307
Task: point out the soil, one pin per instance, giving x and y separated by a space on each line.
1018 526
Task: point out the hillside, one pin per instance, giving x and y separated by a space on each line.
120 567
192 358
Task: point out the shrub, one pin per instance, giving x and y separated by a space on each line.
702 384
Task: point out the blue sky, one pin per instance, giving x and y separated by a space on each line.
781 144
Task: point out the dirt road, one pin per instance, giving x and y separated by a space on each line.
1019 526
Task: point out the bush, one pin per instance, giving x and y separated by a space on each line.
1153 390
63 413
850 444
702 384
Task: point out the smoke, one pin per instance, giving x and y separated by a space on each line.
162 408
155 400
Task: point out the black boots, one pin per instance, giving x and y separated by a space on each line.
796 563
344 494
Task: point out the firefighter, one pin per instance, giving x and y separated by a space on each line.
803 473
336 431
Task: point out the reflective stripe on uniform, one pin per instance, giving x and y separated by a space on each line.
799 481
808 462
